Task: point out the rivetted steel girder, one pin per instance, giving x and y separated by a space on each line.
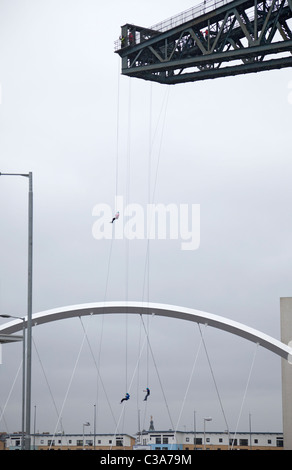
231 38
142 308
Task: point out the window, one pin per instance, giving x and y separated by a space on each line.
279 442
243 442
269 441
198 440
165 440
158 440
79 443
119 442
220 439
256 441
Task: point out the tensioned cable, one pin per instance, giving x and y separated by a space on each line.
164 105
244 396
214 380
9 395
115 209
47 382
97 369
147 260
118 134
148 251
128 177
2 411
189 383
133 375
146 339
156 368
69 386
151 199
162 116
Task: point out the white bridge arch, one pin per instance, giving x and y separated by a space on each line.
164 310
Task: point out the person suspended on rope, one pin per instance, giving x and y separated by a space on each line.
127 396
147 393
117 215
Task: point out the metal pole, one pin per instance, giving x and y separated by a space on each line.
205 419
250 443
23 385
29 312
195 431
94 428
23 377
29 304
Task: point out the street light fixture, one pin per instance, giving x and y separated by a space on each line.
23 373
29 305
205 419
84 424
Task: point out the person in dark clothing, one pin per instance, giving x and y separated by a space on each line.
117 215
147 393
127 396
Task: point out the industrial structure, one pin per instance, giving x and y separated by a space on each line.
217 38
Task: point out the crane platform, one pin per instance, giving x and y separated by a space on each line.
217 38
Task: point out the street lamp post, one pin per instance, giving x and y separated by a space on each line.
84 424
205 419
23 374
29 305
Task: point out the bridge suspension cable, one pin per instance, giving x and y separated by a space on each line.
245 392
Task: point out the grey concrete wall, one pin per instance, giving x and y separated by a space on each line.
286 337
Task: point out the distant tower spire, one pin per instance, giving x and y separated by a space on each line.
151 427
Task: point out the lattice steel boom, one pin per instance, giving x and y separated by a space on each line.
215 39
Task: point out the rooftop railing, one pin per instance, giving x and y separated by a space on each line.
188 15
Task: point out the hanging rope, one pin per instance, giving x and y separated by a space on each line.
146 279
128 177
117 135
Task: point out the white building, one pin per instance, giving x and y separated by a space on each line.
170 440
48 441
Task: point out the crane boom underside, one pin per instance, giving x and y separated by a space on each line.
212 40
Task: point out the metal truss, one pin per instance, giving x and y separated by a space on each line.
216 39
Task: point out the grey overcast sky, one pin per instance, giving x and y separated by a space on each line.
68 116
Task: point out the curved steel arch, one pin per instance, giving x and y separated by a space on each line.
164 310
